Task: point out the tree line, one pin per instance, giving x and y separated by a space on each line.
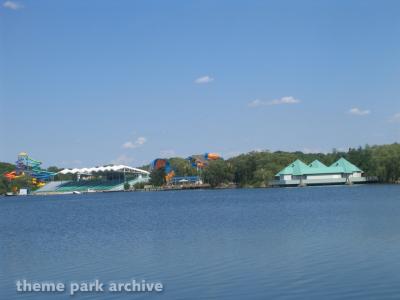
257 168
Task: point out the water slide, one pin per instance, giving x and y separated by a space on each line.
159 163
201 160
29 167
12 175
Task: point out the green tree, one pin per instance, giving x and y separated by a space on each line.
262 177
182 167
139 185
22 182
217 173
5 185
157 177
126 186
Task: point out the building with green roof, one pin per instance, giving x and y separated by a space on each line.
316 173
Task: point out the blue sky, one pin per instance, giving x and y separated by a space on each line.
86 83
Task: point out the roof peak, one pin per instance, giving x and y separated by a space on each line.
298 161
298 167
317 164
347 166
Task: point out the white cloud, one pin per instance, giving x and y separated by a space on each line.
256 103
140 141
167 153
358 112
283 100
12 5
122 160
204 79
395 118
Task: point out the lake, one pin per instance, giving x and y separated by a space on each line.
283 243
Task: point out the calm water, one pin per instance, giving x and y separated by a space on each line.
298 243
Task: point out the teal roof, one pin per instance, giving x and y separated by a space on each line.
316 167
317 164
295 168
347 166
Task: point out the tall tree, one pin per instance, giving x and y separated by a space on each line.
217 173
157 177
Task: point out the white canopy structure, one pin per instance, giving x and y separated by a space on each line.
111 168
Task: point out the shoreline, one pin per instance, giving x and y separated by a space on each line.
197 187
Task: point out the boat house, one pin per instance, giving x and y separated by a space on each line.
300 174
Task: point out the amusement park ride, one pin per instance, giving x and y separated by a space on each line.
202 161
160 163
25 166
197 161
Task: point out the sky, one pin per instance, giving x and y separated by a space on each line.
85 83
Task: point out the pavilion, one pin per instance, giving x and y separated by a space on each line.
300 174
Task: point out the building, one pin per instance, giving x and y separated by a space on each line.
97 179
316 173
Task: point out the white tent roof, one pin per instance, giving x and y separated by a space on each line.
113 168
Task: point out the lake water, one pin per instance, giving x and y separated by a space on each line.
296 243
